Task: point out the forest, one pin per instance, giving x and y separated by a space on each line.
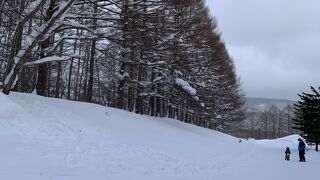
270 122
163 58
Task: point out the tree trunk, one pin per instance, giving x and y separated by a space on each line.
77 79
121 86
69 79
42 84
85 81
92 58
59 69
91 71
42 79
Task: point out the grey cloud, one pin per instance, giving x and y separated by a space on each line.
275 44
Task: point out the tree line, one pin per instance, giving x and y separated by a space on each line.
163 58
270 123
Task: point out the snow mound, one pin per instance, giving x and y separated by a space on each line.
288 141
9 109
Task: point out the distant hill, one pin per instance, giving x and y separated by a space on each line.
260 104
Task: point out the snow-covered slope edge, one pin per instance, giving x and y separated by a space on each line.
52 139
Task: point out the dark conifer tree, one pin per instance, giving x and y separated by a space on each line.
307 116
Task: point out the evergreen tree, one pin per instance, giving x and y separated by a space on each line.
307 116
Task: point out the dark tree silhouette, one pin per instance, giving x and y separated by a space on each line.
307 116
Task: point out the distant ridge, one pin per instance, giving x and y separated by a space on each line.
260 104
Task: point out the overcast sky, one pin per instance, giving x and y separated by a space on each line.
275 44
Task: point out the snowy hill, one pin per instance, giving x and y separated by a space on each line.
52 139
260 104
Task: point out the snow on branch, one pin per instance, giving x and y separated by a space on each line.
38 33
33 6
186 86
46 60
31 10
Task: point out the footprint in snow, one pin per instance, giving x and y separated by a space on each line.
73 160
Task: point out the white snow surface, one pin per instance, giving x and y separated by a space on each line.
52 139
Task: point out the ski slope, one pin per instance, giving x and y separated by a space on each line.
52 139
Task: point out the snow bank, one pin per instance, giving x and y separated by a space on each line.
9 109
281 143
53 139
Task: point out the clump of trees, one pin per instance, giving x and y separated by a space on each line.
307 116
162 58
269 123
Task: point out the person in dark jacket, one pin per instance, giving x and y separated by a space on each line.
301 148
287 154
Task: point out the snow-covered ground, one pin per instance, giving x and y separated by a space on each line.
52 139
